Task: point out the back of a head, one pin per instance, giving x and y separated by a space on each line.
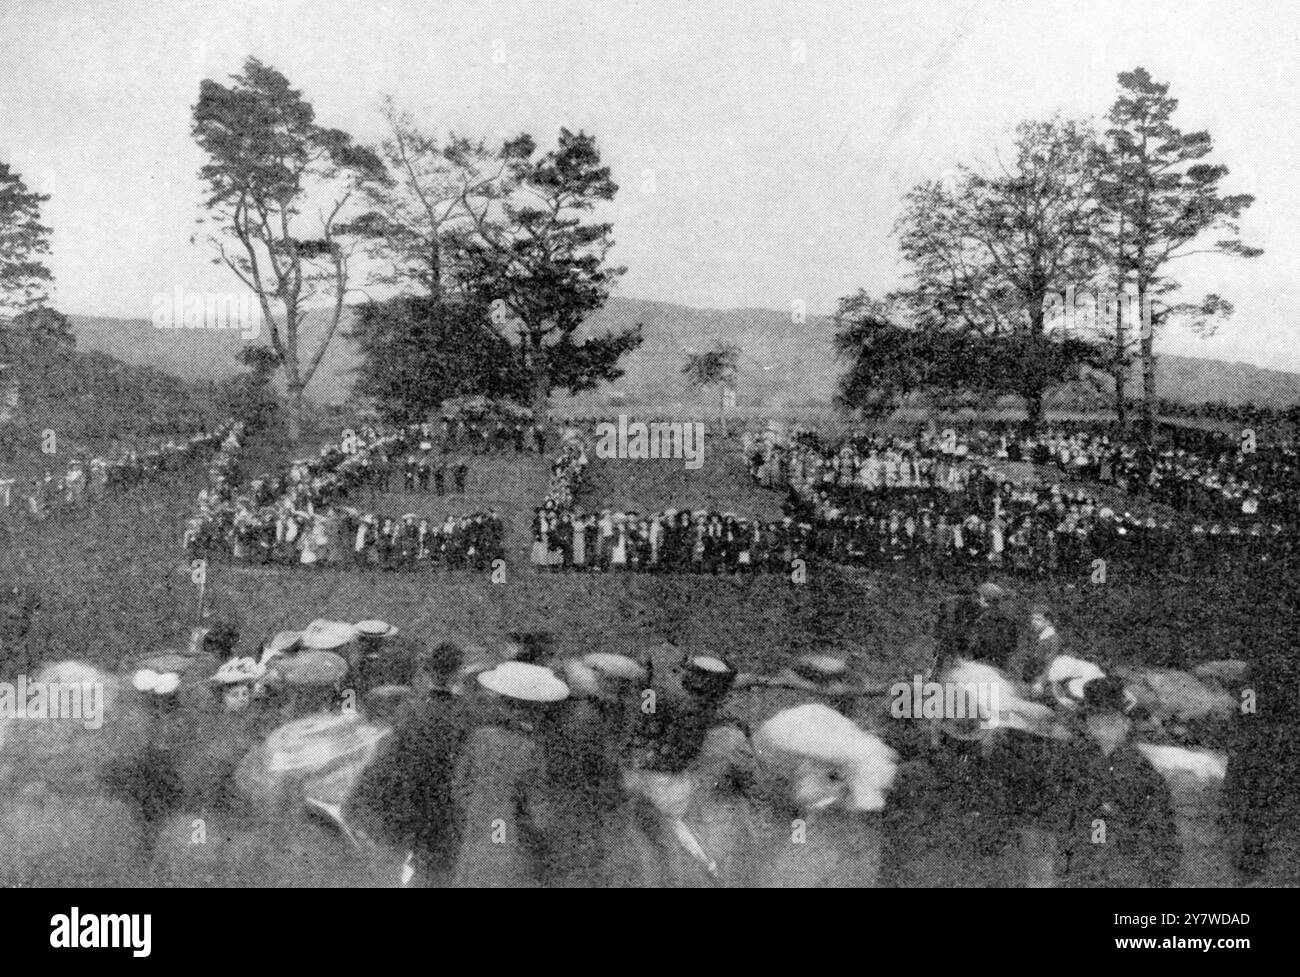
443 662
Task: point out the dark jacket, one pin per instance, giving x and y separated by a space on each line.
1125 797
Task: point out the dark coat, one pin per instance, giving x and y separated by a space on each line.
1128 797
407 797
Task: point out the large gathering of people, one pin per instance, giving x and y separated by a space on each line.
90 479
698 541
943 500
302 516
351 752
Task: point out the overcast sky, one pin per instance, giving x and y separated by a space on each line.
762 147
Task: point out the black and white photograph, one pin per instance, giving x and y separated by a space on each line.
575 445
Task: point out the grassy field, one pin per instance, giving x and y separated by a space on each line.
113 581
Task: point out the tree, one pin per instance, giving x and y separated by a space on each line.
1158 201
422 213
35 346
532 256
268 163
418 351
715 367
249 394
889 361
24 244
990 250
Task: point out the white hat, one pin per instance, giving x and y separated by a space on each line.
375 629
818 733
1001 706
310 668
323 635
822 665
319 741
1073 673
519 680
159 683
239 670
282 642
616 666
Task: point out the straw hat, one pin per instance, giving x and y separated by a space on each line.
158 683
283 643
615 666
238 670
527 683
375 629
816 739
323 635
314 743
820 668
166 661
707 675
311 668
1072 674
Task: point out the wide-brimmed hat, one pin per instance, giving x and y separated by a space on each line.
525 682
239 670
310 668
1072 674
166 661
820 668
999 706
375 629
323 635
615 666
707 674
816 735
282 643
318 742
156 683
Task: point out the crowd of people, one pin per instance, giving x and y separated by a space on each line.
940 501
531 765
302 516
89 480
485 435
699 541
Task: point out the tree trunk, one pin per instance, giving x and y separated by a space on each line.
295 412
1120 373
539 392
1148 385
1033 410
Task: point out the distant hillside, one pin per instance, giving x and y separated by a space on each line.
784 364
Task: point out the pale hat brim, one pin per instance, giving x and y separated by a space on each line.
375 629
327 635
614 665
527 683
311 668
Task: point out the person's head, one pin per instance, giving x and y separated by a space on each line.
1106 705
441 666
990 594
221 639
707 677
237 697
1039 619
